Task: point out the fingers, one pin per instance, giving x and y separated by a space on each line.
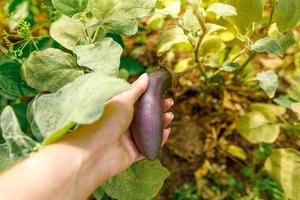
167 104
166 135
138 88
168 117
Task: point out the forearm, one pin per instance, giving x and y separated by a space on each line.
70 169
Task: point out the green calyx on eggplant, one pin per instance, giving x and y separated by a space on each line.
147 125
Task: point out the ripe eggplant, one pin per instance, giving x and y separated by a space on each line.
147 125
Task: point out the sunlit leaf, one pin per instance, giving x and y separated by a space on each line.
70 7
190 22
121 16
19 144
268 81
237 152
172 9
222 10
256 127
171 36
182 65
50 69
287 14
270 111
79 102
284 167
67 37
211 44
142 181
248 12
102 56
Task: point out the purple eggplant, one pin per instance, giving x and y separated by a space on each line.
147 125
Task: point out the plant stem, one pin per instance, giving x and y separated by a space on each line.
240 69
271 16
201 21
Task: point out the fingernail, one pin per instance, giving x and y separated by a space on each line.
171 101
143 76
172 115
169 129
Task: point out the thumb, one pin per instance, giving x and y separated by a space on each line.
138 88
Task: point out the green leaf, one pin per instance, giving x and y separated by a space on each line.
190 22
50 69
10 79
133 66
20 111
284 167
172 9
229 66
222 10
270 111
19 144
67 37
284 101
248 12
211 44
284 39
268 81
79 102
256 127
294 89
5 161
268 45
34 128
70 7
287 14
182 65
296 108
237 152
102 56
99 194
121 16
142 181
171 36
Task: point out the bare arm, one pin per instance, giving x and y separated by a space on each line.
75 166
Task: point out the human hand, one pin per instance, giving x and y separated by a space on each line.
108 145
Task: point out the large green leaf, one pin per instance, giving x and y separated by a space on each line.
287 14
102 56
284 167
10 79
222 10
248 11
142 181
268 81
19 144
70 7
79 102
67 32
5 161
131 65
50 69
190 22
171 36
121 16
256 127
270 111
